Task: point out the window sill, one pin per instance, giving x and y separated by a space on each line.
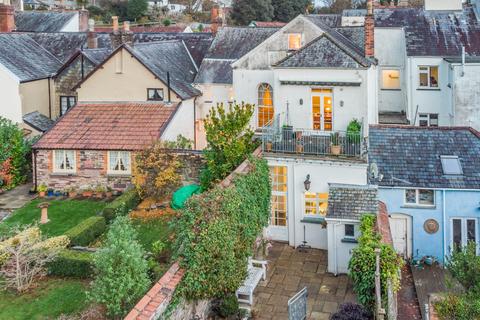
413 206
391 89
313 220
429 89
119 174
349 240
63 174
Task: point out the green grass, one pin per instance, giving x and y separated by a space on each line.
63 215
49 300
152 230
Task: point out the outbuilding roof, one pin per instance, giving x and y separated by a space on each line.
411 156
346 201
25 58
42 21
109 126
434 33
38 121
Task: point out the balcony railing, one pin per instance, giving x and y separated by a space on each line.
311 142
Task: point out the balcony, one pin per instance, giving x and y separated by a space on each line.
287 140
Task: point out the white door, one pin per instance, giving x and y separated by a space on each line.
322 109
278 228
398 227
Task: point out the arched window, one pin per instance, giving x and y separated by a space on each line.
265 104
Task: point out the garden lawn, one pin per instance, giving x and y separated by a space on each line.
49 300
152 230
63 215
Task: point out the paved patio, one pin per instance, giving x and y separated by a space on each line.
14 199
289 271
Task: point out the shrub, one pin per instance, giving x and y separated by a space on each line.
121 205
351 311
216 233
362 264
228 306
464 266
121 271
458 307
229 141
72 263
86 231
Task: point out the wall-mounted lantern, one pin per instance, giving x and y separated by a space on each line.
307 182
301 102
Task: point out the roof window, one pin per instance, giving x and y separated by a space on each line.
451 165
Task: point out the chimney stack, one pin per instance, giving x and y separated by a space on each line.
7 20
126 27
115 24
92 41
369 31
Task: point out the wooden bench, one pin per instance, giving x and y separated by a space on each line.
257 270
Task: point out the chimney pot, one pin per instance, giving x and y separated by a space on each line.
92 42
126 26
7 20
115 24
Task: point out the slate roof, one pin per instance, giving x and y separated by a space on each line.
434 33
38 121
410 156
354 34
215 71
230 44
96 56
347 201
329 20
42 21
25 58
323 52
109 126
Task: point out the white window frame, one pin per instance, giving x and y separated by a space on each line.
399 79
58 170
345 231
119 172
317 205
276 193
428 117
429 74
288 41
417 198
464 231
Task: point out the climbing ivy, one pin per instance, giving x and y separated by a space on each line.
362 264
217 230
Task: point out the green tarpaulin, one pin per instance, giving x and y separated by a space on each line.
183 194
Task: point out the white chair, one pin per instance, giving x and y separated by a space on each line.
257 270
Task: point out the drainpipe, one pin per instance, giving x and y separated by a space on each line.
35 168
49 99
444 227
294 207
195 123
463 61
168 85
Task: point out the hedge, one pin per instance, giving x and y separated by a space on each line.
86 231
72 263
122 205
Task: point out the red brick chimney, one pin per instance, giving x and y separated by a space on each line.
369 31
215 19
83 20
115 24
92 41
7 19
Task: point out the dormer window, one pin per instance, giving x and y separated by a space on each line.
451 165
155 94
294 41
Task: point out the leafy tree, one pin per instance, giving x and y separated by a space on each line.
245 11
121 269
286 10
336 6
229 141
136 9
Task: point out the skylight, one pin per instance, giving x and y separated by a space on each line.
451 165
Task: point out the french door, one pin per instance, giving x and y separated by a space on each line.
278 228
322 109
463 230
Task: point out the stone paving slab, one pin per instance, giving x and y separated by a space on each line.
14 199
289 271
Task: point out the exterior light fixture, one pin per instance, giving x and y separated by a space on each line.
307 182
301 102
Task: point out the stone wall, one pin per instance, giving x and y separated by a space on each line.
91 171
191 310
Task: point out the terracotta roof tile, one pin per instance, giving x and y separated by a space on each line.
109 126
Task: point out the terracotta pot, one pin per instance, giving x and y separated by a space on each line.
269 146
72 194
299 148
87 194
109 194
41 194
336 150
99 195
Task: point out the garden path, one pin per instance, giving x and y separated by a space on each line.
14 199
289 271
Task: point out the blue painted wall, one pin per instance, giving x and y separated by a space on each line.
458 203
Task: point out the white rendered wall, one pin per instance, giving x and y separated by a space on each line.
466 95
182 122
73 25
10 101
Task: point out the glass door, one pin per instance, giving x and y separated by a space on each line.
464 230
322 109
279 213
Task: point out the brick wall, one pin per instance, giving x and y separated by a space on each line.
92 171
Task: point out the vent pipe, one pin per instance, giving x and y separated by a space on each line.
168 86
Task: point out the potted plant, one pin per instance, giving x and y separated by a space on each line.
42 189
287 132
99 191
109 192
72 193
299 147
87 192
336 148
50 192
58 193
